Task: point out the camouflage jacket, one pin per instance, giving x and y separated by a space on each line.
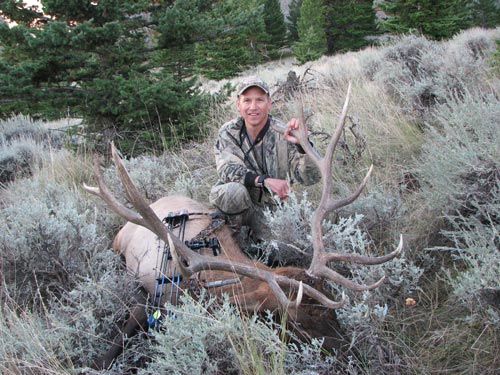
237 160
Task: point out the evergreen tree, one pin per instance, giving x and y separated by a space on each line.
434 19
496 57
348 23
293 19
312 37
485 13
21 13
180 26
94 59
275 27
237 39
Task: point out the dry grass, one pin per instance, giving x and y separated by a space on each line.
434 339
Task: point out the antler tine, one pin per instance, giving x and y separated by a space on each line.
303 137
193 262
324 271
328 273
151 220
336 204
145 216
330 150
327 204
103 192
363 259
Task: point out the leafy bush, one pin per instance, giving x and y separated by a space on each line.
60 279
214 338
48 244
68 331
88 316
19 159
27 345
420 74
23 146
460 167
460 155
496 57
476 250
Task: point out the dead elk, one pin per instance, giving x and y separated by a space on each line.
296 291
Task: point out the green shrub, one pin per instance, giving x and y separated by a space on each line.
28 345
214 338
23 146
475 248
496 58
48 243
70 331
419 74
461 152
88 317
19 127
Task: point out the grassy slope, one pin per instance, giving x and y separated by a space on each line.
397 90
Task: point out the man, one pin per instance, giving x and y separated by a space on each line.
255 162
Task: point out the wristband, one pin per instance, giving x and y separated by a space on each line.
260 180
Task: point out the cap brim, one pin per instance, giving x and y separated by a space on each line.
253 85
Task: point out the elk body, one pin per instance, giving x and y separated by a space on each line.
295 291
141 249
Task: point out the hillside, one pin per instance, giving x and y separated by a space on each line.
423 113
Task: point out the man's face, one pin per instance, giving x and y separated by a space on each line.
254 105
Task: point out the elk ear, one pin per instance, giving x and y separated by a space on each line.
176 257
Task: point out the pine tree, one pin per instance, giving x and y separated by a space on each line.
348 23
237 40
434 19
293 19
180 26
312 38
485 13
96 60
275 27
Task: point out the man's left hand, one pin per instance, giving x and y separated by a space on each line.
293 124
277 186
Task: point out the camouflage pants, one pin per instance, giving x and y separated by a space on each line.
242 206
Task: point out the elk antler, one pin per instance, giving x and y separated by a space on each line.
318 267
188 260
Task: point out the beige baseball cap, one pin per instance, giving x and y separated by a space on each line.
252 81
